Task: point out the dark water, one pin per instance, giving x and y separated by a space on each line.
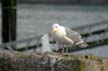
37 19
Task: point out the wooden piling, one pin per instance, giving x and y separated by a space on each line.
8 20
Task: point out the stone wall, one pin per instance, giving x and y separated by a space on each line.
17 61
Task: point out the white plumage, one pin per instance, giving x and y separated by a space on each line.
66 36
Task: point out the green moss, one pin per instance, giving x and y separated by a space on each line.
82 66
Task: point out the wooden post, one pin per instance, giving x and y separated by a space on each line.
8 20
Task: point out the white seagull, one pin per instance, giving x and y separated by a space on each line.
66 36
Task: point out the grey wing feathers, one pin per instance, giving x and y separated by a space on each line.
73 35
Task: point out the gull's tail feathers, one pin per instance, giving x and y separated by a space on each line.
83 45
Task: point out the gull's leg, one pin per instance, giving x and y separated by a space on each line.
63 50
59 51
60 48
67 50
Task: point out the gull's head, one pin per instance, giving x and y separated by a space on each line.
55 27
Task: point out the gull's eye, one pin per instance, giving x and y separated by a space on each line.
56 26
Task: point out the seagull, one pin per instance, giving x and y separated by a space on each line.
66 36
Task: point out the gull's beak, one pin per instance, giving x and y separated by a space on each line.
54 30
